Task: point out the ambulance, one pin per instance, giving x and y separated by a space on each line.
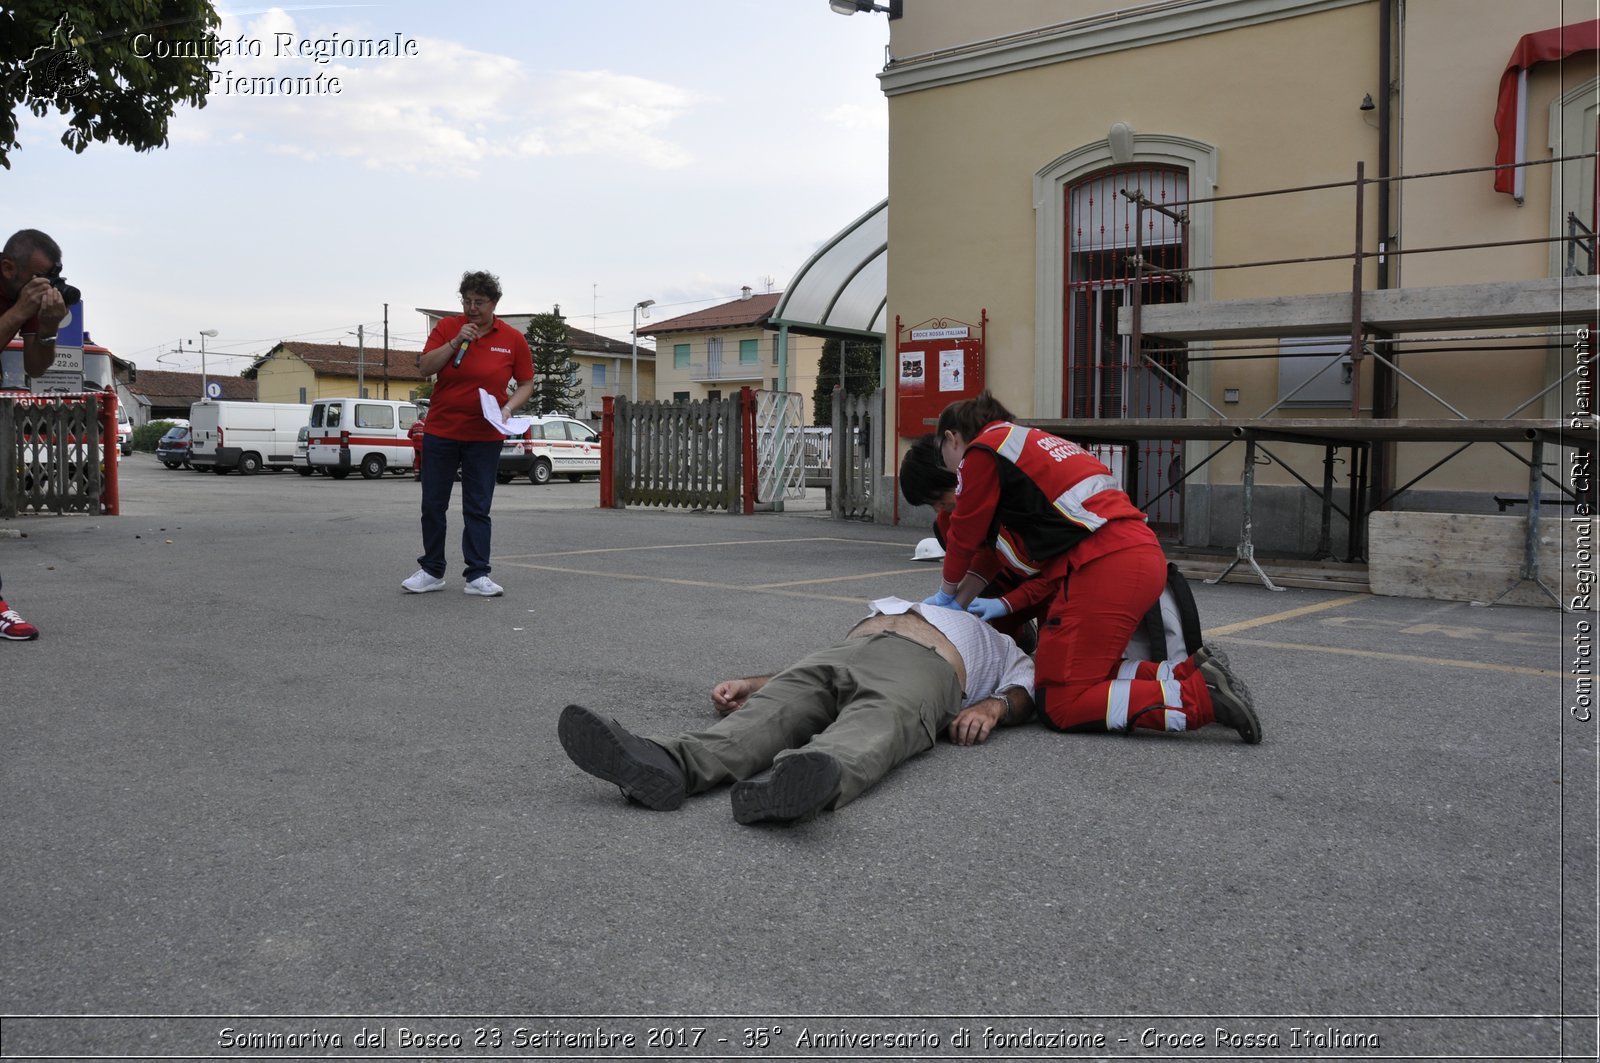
365 434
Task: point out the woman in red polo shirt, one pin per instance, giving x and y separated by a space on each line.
465 353
1077 524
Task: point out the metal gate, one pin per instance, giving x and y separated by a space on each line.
1104 377
780 441
857 453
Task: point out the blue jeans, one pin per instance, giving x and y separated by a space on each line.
478 462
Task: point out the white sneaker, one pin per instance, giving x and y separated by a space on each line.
420 582
483 586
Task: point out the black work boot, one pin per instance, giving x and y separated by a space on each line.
645 771
1230 697
797 787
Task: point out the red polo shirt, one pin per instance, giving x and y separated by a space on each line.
492 362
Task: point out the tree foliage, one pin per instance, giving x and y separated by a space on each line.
861 363
117 69
555 371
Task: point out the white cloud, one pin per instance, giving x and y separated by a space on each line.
597 112
448 107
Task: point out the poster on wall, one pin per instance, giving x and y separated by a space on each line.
952 370
912 370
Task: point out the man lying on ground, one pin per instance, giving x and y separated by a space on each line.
822 731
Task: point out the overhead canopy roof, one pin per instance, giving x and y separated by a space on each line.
842 290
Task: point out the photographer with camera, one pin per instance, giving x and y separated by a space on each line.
33 302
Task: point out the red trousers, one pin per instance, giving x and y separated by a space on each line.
1082 682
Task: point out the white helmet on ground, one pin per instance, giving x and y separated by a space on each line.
928 550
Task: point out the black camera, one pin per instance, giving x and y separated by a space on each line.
69 294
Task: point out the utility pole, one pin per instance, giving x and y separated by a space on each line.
361 361
385 350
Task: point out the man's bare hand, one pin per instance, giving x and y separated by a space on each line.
35 297
972 725
731 694
51 308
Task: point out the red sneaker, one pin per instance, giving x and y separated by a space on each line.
14 627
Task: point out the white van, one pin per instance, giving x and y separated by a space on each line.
244 435
366 434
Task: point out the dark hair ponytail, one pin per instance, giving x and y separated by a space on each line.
967 417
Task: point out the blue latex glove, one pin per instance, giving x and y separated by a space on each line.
942 600
988 609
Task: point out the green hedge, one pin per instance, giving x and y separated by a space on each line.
146 436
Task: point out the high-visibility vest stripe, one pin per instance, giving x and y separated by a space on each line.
1011 448
1012 557
1070 503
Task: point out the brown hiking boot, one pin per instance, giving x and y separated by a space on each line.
1230 697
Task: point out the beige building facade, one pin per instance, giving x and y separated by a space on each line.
714 352
305 372
1018 131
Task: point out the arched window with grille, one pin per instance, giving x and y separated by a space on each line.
1102 377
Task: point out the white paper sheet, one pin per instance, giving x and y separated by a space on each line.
511 426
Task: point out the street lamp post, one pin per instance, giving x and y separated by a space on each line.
203 334
645 305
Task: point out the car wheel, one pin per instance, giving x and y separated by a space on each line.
304 470
221 470
249 464
540 473
372 466
504 477
172 464
574 476
338 474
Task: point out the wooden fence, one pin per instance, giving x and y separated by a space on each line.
700 455
687 454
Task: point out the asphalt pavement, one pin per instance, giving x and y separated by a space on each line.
256 801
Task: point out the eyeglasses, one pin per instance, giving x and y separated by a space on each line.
476 303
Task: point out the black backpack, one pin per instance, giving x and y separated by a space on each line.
1170 631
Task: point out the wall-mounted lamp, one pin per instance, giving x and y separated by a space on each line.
1120 140
850 7
1366 102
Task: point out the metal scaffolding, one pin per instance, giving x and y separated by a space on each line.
1374 318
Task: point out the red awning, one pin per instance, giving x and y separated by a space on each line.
1534 48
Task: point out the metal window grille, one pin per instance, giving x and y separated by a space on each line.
1103 377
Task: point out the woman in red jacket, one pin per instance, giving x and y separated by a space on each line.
1078 525
1002 570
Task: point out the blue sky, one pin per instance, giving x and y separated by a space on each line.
592 153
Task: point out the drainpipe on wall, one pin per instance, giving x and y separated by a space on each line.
1385 390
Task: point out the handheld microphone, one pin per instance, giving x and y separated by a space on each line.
461 352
